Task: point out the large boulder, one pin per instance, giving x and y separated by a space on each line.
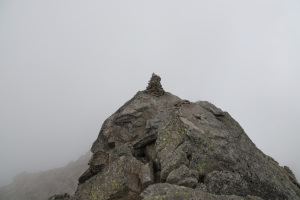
158 146
165 191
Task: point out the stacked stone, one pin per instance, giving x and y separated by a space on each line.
154 87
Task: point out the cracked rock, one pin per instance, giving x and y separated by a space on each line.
158 146
147 175
183 176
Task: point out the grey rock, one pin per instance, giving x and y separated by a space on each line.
64 196
98 160
86 175
198 116
119 179
147 139
253 197
211 108
202 187
168 191
154 87
183 176
151 154
119 151
182 102
226 183
200 150
147 175
291 176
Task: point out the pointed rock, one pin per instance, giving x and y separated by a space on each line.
154 87
199 150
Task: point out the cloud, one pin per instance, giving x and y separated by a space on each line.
66 66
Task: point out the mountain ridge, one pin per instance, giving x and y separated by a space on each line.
157 144
41 185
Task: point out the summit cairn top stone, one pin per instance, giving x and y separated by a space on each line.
154 87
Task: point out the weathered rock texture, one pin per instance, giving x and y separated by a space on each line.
64 196
154 87
157 146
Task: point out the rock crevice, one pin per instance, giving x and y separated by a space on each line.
168 148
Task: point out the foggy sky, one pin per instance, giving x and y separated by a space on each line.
65 66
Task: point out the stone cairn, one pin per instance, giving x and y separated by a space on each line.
154 87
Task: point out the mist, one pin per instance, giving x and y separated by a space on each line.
65 66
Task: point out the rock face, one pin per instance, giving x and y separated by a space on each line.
64 196
157 146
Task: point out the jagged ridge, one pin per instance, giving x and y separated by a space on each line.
158 146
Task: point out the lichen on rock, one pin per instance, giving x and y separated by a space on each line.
168 148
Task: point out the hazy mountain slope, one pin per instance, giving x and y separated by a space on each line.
41 185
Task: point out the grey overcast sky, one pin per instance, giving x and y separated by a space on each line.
65 66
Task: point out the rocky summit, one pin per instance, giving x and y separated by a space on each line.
160 147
